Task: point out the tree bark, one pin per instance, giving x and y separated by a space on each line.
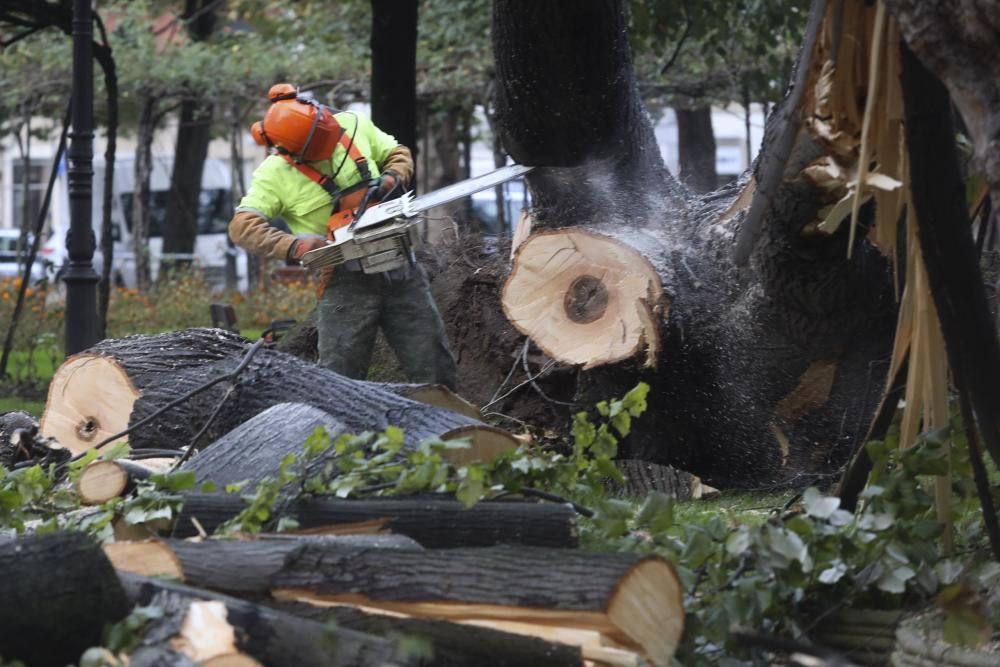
270 636
394 68
194 130
140 198
180 232
599 591
147 373
254 450
107 62
58 592
761 374
433 522
696 149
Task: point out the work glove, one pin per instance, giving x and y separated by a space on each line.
303 244
390 186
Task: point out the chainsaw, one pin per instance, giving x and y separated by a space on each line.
383 237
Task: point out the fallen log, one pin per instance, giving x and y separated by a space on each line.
632 600
236 566
255 449
101 481
139 375
433 522
272 637
451 645
58 592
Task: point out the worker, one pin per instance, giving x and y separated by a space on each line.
323 163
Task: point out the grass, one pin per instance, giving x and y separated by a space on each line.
15 403
738 507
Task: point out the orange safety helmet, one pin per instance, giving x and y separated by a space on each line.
297 125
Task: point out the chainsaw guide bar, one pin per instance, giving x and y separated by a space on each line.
383 238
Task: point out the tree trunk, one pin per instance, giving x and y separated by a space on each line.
139 375
180 231
394 69
25 147
760 373
235 567
272 637
140 198
630 599
433 522
58 592
696 149
452 645
254 450
194 131
107 62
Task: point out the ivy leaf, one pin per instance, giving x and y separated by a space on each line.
656 513
738 541
118 450
894 578
948 571
174 482
819 505
834 572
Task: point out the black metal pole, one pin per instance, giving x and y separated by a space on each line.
80 277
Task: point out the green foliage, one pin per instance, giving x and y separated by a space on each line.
726 49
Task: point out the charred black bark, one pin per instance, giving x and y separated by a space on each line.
433 522
58 592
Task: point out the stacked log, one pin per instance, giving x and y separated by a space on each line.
432 521
630 601
58 592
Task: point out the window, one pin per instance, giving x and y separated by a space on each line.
215 207
38 175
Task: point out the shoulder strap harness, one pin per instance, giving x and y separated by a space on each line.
327 182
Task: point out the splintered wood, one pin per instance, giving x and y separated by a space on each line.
584 298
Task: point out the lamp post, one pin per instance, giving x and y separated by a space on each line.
80 277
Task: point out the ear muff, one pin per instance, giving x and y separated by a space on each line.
257 132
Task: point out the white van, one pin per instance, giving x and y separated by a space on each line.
215 208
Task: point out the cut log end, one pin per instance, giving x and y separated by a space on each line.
488 442
441 397
82 411
647 610
100 482
584 298
149 558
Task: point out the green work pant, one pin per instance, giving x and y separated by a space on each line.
355 304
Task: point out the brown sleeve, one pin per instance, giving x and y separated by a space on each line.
250 231
400 160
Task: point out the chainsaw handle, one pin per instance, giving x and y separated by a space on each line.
363 205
